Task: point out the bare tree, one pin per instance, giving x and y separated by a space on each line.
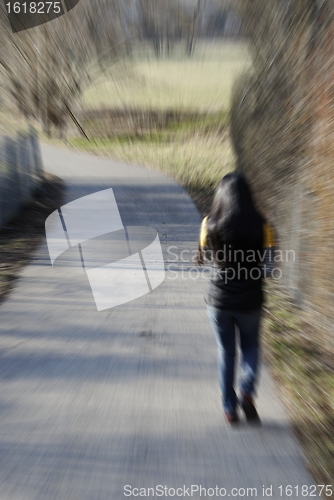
164 22
194 26
159 21
46 68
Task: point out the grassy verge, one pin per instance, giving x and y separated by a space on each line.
25 231
302 370
196 154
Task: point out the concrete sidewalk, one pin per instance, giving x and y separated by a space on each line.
93 401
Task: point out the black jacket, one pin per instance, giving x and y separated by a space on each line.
236 284
229 291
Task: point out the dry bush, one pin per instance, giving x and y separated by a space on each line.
282 132
283 135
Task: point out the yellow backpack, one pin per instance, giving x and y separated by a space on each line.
269 239
269 244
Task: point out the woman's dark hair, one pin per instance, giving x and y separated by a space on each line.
233 219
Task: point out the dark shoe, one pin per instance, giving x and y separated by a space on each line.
247 404
232 417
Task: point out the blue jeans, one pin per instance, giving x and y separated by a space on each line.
224 324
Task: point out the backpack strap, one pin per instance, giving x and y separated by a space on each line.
269 239
203 234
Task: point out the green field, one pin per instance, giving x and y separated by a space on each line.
202 82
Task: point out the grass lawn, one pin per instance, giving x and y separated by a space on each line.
203 82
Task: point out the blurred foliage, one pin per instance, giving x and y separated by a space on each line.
306 373
282 128
271 110
25 230
44 69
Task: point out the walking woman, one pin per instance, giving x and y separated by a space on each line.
233 237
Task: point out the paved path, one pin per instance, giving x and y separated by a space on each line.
93 401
